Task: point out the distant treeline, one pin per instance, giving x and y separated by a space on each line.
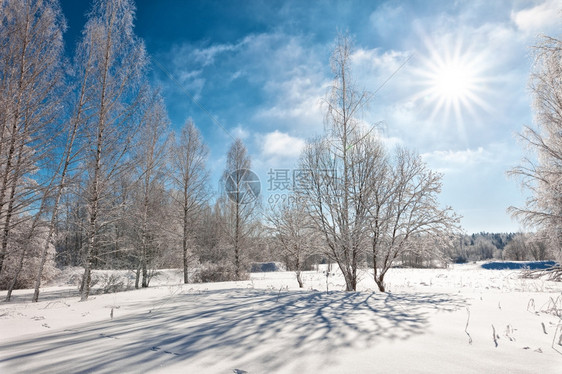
501 246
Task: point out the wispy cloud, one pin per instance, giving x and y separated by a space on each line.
387 18
379 71
188 63
293 80
207 56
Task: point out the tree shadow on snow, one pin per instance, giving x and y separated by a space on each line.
22 296
241 326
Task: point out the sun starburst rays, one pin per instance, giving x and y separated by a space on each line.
452 84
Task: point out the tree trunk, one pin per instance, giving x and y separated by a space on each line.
299 279
380 283
137 278
86 281
145 239
350 283
18 271
185 267
144 273
90 246
298 272
185 233
236 241
42 262
10 209
348 276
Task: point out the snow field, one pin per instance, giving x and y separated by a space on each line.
268 325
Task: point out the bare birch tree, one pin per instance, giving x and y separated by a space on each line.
190 177
238 204
112 60
149 158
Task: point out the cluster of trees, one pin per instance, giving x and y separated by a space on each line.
87 161
92 175
31 87
90 167
90 172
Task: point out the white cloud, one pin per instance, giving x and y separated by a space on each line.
539 18
497 156
240 132
279 144
373 58
380 70
391 142
296 101
187 55
458 161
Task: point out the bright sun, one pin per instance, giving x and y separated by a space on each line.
452 83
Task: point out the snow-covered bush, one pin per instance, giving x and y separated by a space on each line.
219 272
29 251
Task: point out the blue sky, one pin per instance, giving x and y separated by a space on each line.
262 68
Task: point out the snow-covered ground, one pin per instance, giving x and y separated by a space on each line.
432 321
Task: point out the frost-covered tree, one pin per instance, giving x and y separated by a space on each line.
404 210
528 246
541 173
339 170
358 197
25 255
190 177
149 196
31 49
538 248
110 64
516 249
238 204
210 239
290 226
